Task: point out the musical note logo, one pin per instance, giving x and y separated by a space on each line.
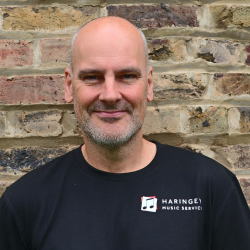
149 203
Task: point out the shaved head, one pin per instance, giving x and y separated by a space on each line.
101 22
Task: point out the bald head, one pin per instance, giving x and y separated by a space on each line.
109 29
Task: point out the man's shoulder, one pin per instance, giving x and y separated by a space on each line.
188 162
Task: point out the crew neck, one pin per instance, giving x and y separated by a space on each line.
120 177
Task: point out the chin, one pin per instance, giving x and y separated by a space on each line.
111 138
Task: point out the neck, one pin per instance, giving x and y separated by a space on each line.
130 157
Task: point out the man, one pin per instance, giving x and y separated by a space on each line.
119 191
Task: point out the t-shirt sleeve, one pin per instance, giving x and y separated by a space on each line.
10 233
231 230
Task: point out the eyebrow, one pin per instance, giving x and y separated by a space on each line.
84 72
130 70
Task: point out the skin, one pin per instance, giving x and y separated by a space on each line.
110 88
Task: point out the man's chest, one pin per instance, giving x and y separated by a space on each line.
129 217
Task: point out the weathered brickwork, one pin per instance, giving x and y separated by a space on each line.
245 184
178 86
20 161
31 89
200 53
55 52
156 16
47 18
208 120
237 156
247 62
216 51
15 53
40 123
225 16
163 49
157 120
181 49
232 84
2 123
244 119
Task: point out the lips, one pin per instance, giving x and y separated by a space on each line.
115 110
110 113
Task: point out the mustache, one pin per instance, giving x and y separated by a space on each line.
101 106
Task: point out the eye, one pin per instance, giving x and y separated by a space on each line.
128 77
92 79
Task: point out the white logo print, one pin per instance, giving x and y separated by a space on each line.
149 203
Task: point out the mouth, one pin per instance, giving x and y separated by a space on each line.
110 113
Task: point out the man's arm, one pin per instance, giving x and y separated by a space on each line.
11 237
232 227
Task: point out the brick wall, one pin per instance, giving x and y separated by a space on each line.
201 59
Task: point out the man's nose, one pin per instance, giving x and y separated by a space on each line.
110 91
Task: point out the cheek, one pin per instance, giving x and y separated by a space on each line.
137 97
85 96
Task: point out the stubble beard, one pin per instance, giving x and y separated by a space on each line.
115 139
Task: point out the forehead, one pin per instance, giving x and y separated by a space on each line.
110 43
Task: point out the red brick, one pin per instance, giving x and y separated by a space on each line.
245 185
32 90
155 16
15 53
55 51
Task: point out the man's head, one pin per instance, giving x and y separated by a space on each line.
109 82
76 34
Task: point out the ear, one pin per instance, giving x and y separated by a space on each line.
150 94
68 93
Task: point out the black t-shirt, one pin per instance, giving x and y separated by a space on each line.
180 201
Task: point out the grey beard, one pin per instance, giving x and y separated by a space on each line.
110 142
98 136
